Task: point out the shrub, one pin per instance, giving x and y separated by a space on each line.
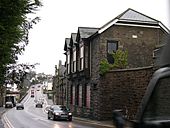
120 62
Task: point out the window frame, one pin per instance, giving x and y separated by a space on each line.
81 57
112 42
68 62
74 59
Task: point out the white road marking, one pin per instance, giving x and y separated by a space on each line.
7 122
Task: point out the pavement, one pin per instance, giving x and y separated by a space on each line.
108 124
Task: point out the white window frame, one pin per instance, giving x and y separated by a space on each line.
68 62
81 57
74 59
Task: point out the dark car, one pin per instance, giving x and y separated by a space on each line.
39 105
59 112
9 104
32 95
19 106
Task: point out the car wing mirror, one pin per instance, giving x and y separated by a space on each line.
118 119
120 122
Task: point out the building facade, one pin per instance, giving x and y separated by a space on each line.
88 93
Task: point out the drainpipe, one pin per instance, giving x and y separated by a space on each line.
90 59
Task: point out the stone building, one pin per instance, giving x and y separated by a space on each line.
94 96
59 85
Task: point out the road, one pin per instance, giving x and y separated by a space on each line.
32 117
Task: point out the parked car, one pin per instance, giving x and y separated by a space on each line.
9 104
59 112
19 106
39 105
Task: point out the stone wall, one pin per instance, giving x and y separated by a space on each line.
138 41
121 89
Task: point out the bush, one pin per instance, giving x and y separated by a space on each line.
120 62
104 67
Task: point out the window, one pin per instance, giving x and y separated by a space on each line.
85 96
80 96
74 60
73 96
77 95
156 55
68 62
112 46
88 96
157 52
81 57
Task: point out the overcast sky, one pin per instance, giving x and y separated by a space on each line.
60 18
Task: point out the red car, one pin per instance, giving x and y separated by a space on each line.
32 93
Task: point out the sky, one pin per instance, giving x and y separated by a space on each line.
60 18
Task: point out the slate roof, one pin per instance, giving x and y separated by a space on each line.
86 32
67 44
132 16
73 37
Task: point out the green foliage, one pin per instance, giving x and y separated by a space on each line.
14 27
14 30
120 62
16 73
104 67
120 59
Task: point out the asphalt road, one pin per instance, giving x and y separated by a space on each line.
32 117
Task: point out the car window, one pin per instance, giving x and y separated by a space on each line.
60 108
56 108
158 107
63 108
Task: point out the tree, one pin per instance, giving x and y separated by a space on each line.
16 73
14 30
